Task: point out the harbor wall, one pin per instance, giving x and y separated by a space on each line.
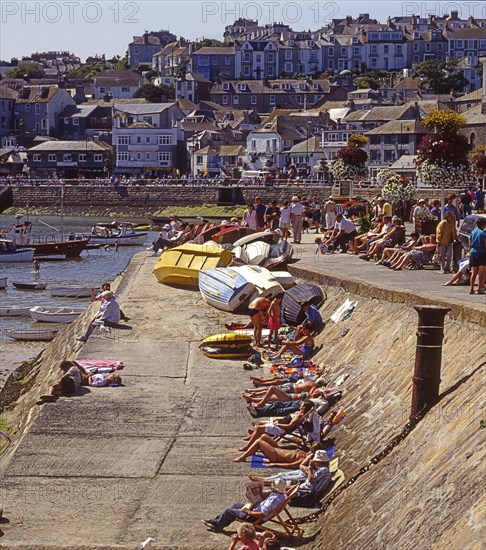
140 201
424 491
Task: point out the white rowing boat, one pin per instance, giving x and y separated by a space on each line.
32 335
71 292
55 315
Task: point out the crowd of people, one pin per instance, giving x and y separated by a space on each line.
295 410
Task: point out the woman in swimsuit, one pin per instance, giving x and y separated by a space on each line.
302 346
276 394
282 458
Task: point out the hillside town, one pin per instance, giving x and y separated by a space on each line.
266 102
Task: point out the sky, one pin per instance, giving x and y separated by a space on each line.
86 27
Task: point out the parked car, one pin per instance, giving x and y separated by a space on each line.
467 225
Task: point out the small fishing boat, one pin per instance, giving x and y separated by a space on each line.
254 253
10 253
3 282
54 315
266 285
50 248
208 233
279 254
224 288
296 296
181 265
32 335
29 286
264 249
14 311
71 292
120 233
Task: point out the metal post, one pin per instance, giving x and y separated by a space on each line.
428 357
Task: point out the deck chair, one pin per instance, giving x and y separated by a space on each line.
289 525
298 432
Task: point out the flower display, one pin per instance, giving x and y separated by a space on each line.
442 157
425 216
384 175
397 188
478 161
341 170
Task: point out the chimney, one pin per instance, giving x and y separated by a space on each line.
349 19
454 14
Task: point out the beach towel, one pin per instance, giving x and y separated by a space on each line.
343 310
99 364
257 461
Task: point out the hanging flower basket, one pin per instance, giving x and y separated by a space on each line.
397 188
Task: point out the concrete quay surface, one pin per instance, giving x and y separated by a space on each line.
111 467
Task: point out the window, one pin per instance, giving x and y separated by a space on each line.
272 100
98 157
439 47
82 157
37 108
253 99
164 158
225 100
125 89
288 54
51 157
270 58
147 119
331 52
331 64
123 140
344 52
139 156
246 70
147 156
135 50
43 123
258 58
226 86
246 57
236 99
67 157
416 47
164 140
215 61
227 60
66 120
289 68
122 156
386 48
36 157
356 51
398 49
241 87
270 71
147 139
76 121
199 159
27 108
253 144
428 47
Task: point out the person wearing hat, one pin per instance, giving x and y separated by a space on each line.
313 475
329 211
297 218
248 512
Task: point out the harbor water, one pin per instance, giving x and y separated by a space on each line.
90 270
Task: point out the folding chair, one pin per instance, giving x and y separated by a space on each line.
289 525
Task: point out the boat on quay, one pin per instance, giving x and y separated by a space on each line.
50 248
116 233
9 252
224 288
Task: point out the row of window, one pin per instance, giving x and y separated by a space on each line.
67 157
163 156
160 139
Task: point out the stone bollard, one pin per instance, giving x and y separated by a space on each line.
428 357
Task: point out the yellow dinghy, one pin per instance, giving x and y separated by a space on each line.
181 265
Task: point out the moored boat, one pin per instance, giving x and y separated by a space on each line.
224 288
120 233
71 292
62 249
3 282
232 234
181 265
29 286
54 315
10 253
32 335
14 311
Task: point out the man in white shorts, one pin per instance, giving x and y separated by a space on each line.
329 210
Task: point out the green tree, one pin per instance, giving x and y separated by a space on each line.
209 43
122 64
366 82
88 70
32 71
143 68
440 76
155 94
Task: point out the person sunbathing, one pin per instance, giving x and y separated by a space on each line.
280 379
302 346
276 394
278 428
69 383
392 254
420 255
275 455
393 236
361 241
289 386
